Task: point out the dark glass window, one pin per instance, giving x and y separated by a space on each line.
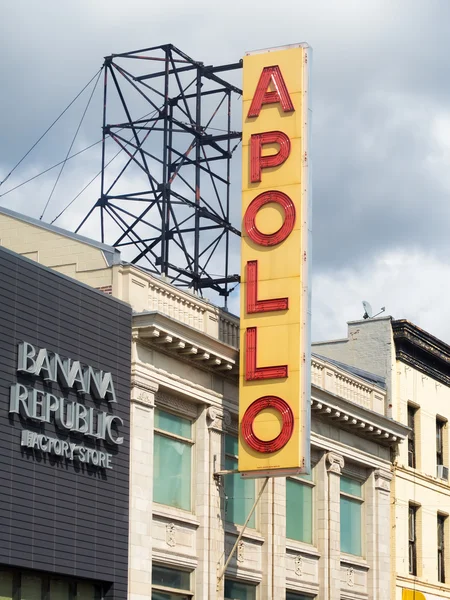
440 442
29 585
170 584
412 539
411 437
441 547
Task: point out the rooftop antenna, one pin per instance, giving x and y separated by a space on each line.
368 313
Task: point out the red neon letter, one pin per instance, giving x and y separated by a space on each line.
258 162
252 372
269 239
253 304
263 96
253 411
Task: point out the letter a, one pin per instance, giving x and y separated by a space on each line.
263 96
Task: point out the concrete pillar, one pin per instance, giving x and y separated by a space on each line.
141 490
379 529
217 420
273 529
335 464
322 535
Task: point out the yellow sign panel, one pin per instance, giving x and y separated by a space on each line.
274 385
415 595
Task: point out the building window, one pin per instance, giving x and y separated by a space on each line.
295 596
235 590
412 539
440 426
299 509
441 547
26 585
172 460
170 584
411 437
351 515
239 492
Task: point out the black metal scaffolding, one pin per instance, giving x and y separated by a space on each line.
167 205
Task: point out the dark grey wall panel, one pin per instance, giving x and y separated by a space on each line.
56 515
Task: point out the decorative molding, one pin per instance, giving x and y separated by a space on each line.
357 471
170 535
142 396
176 404
383 480
298 561
230 422
241 552
350 577
215 418
336 462
357 419
421 350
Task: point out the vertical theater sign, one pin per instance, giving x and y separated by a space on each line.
274 385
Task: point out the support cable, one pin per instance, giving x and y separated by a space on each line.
85 188
48 129
49 169
71 145
238 539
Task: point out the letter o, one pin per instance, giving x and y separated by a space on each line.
287 416
269 239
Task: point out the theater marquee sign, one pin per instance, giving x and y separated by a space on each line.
274 385
76 422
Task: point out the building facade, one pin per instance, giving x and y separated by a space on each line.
416 366
325 536
64 436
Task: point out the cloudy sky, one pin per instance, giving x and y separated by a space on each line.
381 127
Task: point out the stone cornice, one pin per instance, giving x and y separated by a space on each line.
357 419
421 350
186 343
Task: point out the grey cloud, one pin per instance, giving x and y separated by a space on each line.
380 75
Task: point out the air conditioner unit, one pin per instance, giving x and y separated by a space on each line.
442 472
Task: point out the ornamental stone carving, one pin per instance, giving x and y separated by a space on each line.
240 552
383 480
170 535
177 404
142 396
215 418
351 577
335 462
299 566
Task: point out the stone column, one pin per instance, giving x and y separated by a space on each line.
273 529
335 464
141 490
214 536
378 535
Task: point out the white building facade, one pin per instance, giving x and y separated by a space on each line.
326 536
416 366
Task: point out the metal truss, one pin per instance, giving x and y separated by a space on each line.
167 204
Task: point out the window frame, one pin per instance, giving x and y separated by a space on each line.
300 595
157 431
360 501
412 450
255 586
46 580
311 483
440 442
441 529
413 510
252 523
170 590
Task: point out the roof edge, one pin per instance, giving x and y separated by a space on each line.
112 255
